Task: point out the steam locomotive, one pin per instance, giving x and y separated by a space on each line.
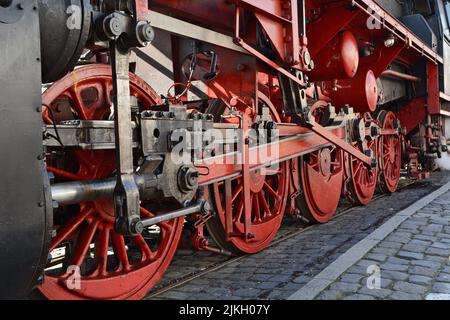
125 122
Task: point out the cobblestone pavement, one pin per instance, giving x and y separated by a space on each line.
414 260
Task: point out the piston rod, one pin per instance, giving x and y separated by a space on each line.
82 191
198 207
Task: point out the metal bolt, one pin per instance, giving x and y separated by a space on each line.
20 6
374 163
137 226
240 67
113 27
146 32
147 114
206 207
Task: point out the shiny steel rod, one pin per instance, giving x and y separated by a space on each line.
81 191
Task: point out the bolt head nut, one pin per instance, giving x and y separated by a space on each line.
206 207
112 27
137 226
146 32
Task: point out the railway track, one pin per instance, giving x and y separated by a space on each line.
287 231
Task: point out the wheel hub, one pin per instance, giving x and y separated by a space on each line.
105 209
325 163
257 181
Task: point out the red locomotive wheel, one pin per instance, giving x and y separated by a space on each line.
321 177
268 195
390 154
89 259
363 181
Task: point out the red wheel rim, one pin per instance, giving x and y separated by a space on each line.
321 176
268 203
390 154
363 181
111 266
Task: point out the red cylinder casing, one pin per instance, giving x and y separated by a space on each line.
338 60
360 93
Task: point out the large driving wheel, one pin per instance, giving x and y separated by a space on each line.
90 260
390 154
363 180
268 195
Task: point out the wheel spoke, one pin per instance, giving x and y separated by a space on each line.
83 243
70 227
101 249
45 115
358 169
240 211
256 208
264 204
120 250
64 174
272 192
147 254
236 192
78 104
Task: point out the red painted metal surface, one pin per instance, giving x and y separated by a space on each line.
361 92
250 206
433 101
287 149
141 9
338 60
323 29
363 180
120 267
412 114
321 177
